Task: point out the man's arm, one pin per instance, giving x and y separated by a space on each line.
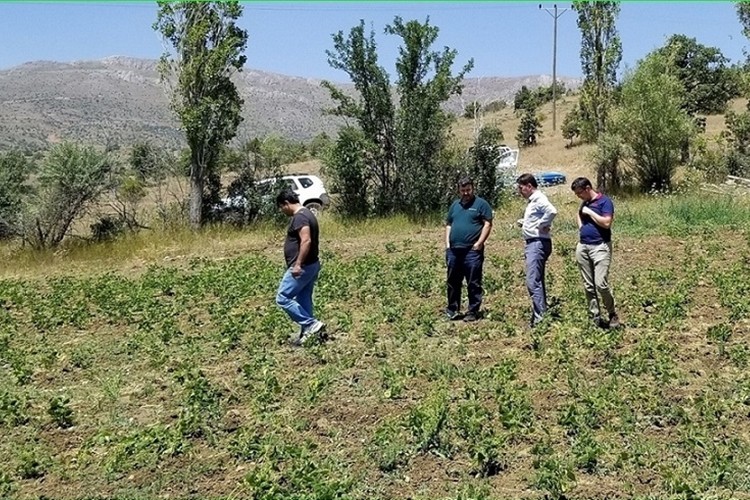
447 236
486 228
578 220
604 221
545 221
305 242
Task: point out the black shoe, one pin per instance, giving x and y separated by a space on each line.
452 315
614 321
471 317
600 322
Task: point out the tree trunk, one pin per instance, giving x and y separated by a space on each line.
196 196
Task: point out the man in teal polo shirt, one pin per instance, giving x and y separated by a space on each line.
467 228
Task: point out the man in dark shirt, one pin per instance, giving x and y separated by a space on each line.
301 256
467 228
594 249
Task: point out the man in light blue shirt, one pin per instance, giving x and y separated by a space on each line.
536 226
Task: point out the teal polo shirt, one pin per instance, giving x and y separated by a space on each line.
466 221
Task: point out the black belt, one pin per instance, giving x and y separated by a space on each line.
534 240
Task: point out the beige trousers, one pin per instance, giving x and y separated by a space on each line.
594 261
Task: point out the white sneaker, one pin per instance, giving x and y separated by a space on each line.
315 328
311 332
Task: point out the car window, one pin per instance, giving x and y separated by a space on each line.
306 182
290 184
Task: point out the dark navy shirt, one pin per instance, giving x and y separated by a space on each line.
591 233
467 221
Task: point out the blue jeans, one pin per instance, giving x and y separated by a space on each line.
464 263
537 251
295 294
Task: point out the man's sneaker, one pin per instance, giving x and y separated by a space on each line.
599 322
451 315
614 321
471 317
306 334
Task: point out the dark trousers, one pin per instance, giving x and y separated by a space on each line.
537 252
464 263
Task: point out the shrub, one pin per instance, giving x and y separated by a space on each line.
14 172
71 179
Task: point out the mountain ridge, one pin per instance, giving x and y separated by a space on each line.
119 99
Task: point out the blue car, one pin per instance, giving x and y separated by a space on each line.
550 178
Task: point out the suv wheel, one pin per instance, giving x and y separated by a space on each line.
315 207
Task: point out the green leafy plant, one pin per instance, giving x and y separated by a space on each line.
61 412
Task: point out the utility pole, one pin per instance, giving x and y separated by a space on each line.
554 61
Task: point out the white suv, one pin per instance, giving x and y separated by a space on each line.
312 194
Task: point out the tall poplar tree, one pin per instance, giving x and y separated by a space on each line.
207 47
601 53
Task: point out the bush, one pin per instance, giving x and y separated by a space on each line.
106 228
529 130
14 172
347 166
485 154
495 106
472 109
652 124
72 177
253 161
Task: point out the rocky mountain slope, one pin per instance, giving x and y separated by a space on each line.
118 100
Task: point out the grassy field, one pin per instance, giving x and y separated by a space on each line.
159 367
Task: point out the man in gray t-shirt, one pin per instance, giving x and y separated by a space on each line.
295 294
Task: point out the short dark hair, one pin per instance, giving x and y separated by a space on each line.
580 183
286 196
527 179
465 181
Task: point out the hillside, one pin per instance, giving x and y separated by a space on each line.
119 100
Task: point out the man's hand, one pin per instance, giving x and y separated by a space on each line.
519 223
296 270
477 246
544 230
587 211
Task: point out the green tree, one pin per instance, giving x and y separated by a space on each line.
543 94
207 47
601 53
524 99
373 111
495 106
146 161
425 82
14 174
472 110
709 84
530 129
319 145
652 123
485 155
252 161
607 158
72 177
737 136
743 13
347 166
404 143
571 127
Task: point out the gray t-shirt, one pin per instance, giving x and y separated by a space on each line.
291 245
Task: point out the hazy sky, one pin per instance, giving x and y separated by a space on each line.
504 38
